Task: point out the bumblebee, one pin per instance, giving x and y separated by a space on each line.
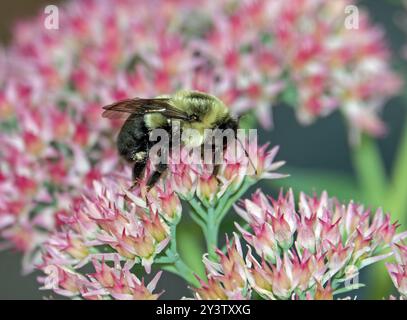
192 109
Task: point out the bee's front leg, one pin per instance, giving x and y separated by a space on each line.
216 168
155 176
216 155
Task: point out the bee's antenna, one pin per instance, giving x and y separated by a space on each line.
242 115
247 154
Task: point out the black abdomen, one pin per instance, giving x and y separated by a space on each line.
133 137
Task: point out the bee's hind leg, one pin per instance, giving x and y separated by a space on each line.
138 171
155 176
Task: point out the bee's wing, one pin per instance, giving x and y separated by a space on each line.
139 106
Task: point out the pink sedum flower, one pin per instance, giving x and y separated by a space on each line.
203 182
108 225
398 271
226 279
250 54
304 252
43 160
107 282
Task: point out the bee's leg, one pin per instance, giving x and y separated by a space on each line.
204 149
216 169
161 167
138 171
213 150
218 151
139 168
163 164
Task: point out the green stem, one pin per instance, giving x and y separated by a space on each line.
206 220
181 269
198 221
173 244
370 171
397 194
374 185
177 265
211 219
197 206
396 204
232 200
186 273
212 229
215 217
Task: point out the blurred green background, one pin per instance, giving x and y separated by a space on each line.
322 146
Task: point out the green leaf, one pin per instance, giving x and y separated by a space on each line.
190 247
370 171
337 184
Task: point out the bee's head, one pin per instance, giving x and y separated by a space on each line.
194 118
202 108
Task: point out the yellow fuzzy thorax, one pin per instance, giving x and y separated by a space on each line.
208 108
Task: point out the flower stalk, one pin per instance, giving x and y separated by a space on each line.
372 180
180 268
177 264
211 219
212 230
396 196
370 171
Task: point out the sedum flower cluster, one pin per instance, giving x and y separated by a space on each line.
398 270
314 251
111 232
63 189
114 230
252 54
48 153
